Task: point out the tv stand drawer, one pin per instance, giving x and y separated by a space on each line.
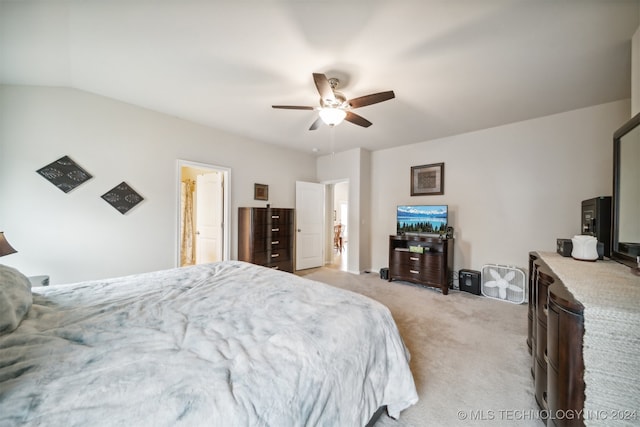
429 260
417 274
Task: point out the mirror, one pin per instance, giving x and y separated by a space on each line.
626 193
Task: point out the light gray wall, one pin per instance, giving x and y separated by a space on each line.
510 189
364 212
78 236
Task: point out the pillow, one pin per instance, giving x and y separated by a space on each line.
15 298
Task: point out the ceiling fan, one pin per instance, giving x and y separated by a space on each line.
334 106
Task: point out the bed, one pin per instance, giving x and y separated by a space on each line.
222 344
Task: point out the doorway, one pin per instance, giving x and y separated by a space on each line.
203 213
340 244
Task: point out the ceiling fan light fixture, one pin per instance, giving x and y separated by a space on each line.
334 106
332 116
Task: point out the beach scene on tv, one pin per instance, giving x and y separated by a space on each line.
424 219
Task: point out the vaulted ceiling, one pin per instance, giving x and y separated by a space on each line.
455 65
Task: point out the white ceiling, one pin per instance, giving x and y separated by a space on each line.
455 65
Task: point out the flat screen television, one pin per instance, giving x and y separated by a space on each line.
421 219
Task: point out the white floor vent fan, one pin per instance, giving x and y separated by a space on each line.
504 283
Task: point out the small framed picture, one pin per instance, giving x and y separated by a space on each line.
260 192
427 180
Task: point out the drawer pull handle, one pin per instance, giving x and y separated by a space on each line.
545 309
275 216
275 242
275 229
414 258
275 255
414 271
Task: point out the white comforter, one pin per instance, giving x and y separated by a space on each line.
225 344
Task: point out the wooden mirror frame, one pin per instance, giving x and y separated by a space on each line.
616 254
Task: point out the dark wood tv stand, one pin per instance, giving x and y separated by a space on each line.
433 267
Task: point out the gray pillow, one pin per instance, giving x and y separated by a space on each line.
15 298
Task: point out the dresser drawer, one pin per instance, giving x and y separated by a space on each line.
416 260
269 233
565 332
280 232
280 254
541 383
259 217
541 342
266 257
542 294
279 217
278 242
261 231
283 265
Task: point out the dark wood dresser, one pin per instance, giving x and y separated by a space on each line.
583 318
265 237
430 266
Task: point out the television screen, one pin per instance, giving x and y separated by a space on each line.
421 219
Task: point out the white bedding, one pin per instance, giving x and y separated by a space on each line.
225 344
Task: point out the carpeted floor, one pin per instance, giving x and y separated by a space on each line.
469 354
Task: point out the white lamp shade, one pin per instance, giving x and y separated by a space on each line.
332 116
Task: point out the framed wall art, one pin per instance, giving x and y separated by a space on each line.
122 197
427 180
260 192
65 174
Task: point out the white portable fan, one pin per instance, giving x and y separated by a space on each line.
504 283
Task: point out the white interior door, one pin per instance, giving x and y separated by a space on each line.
309 225
209 211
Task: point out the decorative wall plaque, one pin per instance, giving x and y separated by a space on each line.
65 174
260 192
122 197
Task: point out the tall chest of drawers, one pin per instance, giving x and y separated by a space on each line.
265 237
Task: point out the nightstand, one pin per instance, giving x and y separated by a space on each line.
39 280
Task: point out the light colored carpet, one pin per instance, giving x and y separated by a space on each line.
469 353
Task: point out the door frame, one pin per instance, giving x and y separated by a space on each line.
226 200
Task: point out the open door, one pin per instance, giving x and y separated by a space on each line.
309 225
209 217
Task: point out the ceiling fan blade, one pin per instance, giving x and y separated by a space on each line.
371 99
315 124
293 107
324 88
357 120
